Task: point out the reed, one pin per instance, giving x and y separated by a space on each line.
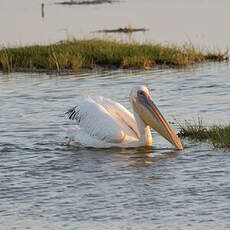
76 54
218 135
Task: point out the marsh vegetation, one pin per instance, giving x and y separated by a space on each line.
127 29
91 2
77 54
217 135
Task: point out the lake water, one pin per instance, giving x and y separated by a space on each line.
205 23
48 185
45 184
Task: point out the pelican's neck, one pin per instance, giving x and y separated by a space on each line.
145 134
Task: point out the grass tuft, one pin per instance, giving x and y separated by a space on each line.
218 135
76 54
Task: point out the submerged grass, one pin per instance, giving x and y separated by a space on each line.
218 135
76 54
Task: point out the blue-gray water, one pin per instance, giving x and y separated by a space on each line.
45 184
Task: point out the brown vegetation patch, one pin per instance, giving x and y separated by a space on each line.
92 2
122 30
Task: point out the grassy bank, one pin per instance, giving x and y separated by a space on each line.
76 54
218 135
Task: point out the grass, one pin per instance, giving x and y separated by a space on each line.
76 54
218 135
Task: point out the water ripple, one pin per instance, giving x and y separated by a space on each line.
48 185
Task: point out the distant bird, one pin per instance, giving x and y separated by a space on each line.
103 123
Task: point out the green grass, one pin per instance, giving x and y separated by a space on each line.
77 54
218 135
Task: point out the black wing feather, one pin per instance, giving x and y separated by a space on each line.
74 114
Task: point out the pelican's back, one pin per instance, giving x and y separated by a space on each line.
104 119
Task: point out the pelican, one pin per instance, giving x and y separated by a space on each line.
103 123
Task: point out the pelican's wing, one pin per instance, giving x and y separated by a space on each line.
103 119
123 116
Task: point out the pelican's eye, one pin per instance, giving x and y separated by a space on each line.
140 93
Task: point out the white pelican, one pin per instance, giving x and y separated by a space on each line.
102 122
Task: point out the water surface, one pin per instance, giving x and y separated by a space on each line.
204 23
48 185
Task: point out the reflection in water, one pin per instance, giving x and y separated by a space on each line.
144 156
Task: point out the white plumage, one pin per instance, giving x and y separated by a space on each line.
104 123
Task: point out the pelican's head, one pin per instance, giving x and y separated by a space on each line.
143 104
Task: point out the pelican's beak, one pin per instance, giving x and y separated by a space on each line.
152 116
